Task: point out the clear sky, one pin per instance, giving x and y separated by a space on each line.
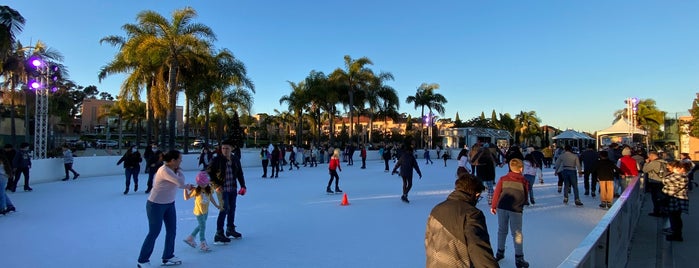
573 62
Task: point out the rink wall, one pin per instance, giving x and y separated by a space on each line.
46 170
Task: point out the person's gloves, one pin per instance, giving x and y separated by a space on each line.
242 191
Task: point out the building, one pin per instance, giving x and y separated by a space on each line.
94 119
688 144
467 136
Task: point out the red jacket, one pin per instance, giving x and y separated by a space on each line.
334 164
628 166
363 153
511 193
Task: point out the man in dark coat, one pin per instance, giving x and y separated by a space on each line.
407 163
456 233
226 173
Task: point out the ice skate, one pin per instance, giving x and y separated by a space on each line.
190 241
232 233
204 247
220 239
172 261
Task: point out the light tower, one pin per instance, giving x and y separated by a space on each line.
40 85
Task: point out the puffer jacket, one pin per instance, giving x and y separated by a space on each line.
457 235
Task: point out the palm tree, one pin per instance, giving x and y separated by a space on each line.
178 42
425 97
647 115
526 125
11 24
379 95
297 102
355 77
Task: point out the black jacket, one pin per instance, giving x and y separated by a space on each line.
407 163
605 169
217 171
131 160
457 234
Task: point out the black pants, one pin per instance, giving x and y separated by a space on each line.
363 162
385 161
656 194
333 175
275 168
265 163
676 223
19 172
587 182
228 204
69 167
407 184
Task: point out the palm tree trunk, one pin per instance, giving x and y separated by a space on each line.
149 114
172 115
186 125
13 112
207 131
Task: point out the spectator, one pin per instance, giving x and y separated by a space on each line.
456 233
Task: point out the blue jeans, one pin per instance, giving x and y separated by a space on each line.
531 179
514 220
129 172
228 204
570 180
157 215
4 199
201 228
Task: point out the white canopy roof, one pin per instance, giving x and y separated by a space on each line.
573 135
621 127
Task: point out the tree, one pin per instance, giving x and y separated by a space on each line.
526 125
296 101
694 123
378 95
355 77
648 116
178 42
11 24
425 97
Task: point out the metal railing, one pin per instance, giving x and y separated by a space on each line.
607 245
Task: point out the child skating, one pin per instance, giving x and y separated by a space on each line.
332 168
202 195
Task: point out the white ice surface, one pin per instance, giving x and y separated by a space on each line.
285 222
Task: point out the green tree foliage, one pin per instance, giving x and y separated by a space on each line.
236 134
694 123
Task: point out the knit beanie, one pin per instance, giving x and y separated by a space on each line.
626 151
202 179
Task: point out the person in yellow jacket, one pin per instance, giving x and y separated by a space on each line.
202 196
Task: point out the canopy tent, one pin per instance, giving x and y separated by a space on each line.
622 130
573 138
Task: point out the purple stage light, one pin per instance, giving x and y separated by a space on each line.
35 85
36 63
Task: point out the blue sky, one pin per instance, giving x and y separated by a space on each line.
573 62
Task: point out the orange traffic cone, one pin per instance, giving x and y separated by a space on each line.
344 200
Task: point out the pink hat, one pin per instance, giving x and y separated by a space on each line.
203 179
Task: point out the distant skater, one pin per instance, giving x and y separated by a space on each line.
407 163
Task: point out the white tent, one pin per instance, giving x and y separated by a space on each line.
620 128
574 138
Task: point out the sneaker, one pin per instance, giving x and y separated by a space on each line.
172 261
143 264
204 247
190 241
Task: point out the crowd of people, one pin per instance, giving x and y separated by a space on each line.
606 172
